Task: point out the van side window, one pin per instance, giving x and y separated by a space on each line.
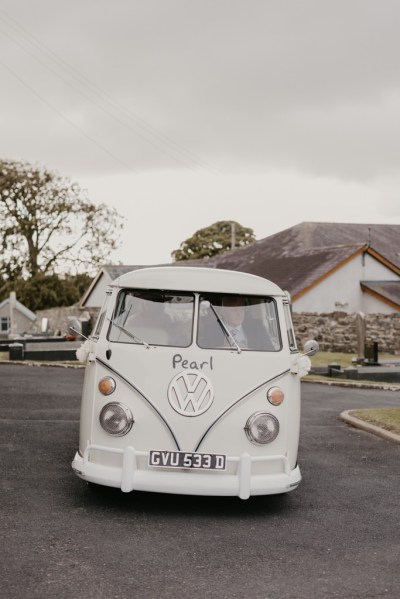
102 315
289 327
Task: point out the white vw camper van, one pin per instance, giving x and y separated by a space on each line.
192 385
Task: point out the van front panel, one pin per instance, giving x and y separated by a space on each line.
191 376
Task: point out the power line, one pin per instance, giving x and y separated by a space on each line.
38 95
178 152
82 93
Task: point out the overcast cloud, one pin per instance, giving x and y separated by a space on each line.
184 112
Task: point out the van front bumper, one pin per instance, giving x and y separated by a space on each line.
131 475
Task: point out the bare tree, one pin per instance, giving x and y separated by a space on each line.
48 225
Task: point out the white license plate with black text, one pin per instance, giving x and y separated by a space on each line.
182 459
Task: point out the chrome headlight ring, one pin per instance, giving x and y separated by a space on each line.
262 428
116 419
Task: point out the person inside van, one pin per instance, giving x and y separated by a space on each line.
229 324
233 313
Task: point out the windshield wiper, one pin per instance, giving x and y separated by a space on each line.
225 329
132 335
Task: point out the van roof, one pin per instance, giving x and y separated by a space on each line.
189 278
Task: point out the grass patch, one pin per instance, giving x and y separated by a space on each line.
386 418
354 382
322 359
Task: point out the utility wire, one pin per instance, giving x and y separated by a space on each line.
115 117
38 95
93 88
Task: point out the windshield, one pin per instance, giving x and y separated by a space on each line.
238 322
153 317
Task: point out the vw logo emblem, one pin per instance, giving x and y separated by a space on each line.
190 393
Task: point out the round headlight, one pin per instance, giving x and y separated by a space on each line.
116 419
262 428
275 395
107 385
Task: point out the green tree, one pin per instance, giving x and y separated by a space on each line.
213 240
48 225
41 291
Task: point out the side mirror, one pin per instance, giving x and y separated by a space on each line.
310 348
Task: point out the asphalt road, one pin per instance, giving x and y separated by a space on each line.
337 535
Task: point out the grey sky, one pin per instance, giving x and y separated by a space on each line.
183 112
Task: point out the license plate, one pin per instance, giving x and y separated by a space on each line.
182 459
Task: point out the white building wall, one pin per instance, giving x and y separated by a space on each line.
21 322
97 295
373 305
341 291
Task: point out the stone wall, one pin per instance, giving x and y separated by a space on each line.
58 318
337 331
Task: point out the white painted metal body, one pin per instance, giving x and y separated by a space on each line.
144 376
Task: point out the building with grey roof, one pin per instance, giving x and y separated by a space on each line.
15 318
326 267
